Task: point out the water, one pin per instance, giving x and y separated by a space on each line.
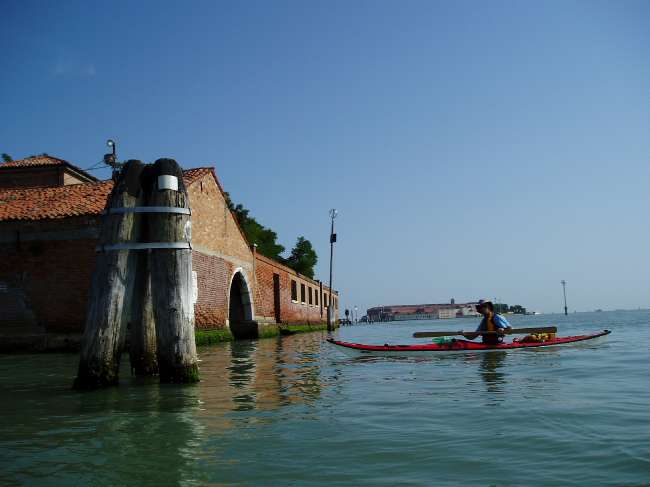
295 411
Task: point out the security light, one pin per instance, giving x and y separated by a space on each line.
110 143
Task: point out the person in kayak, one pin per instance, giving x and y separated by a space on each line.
491 322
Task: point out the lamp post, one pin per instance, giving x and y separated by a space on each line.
333 215
564 290
110 159
356 314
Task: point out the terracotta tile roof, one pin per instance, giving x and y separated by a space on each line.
35 161
190 176
65 201
57 202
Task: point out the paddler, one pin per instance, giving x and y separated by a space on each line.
491 322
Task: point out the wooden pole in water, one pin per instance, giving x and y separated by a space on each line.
171 275
111 291
142 337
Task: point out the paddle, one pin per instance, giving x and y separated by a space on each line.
543 329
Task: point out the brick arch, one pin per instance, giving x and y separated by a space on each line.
240 306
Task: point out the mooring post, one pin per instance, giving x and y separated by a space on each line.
142 336
111 291
171 274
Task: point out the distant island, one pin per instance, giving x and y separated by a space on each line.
404 312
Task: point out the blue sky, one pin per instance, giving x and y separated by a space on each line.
472 148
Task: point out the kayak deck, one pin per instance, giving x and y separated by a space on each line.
460 345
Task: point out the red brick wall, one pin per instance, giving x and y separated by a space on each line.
47 284
54 278
214 228
291 311
213 278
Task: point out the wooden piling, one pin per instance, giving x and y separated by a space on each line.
142 336
111 291
171 275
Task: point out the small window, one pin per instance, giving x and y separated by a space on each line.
294 290
326 301
302 293
311 299
316 297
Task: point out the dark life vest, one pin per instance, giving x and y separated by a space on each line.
490 325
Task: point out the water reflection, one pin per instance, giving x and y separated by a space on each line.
146 433
260 375
489 367
241 371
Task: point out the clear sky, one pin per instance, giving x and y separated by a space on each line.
473 149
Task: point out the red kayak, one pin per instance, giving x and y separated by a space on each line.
455 346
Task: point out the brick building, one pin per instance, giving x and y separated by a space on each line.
50 213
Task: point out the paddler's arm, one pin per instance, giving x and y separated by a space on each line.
503 327
473 335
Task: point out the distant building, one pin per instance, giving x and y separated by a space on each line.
42 171
405 312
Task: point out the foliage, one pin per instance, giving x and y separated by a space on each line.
6 157
303 258
504 308
518 309
265 238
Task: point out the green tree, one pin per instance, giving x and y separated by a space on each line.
265 238
303 258
6 157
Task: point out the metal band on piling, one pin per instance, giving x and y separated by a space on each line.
144 246
149 209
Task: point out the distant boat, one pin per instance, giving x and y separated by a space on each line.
599 310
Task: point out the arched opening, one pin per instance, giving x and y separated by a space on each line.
240 308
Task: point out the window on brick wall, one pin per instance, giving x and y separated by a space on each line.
294 290
302 293
316 297
326 301
311 299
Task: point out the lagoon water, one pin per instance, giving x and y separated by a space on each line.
295 411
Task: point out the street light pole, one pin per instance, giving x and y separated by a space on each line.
333 215
566 312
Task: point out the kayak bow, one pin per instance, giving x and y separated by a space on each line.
455 346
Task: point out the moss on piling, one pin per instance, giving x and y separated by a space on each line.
91 377
179 375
